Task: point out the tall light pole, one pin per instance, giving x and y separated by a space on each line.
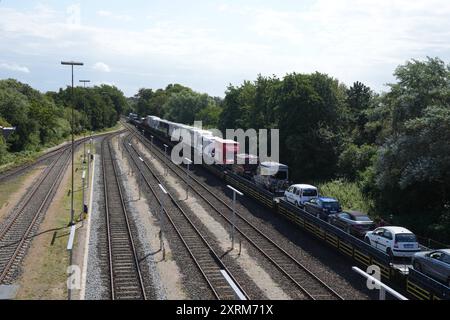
84 109
72 64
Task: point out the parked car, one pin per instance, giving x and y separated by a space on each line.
354 222
395 241
298 194
322 207
435 264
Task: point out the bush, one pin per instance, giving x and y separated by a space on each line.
348 193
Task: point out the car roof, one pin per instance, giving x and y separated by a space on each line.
327 199
397 229
304 186
447 251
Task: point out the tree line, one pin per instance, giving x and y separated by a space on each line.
44 119
394 145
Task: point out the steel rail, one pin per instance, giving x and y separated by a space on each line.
126 279
31 223
207 275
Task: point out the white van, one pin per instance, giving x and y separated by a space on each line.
298 194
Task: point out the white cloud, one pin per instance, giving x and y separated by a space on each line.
109 14
102 67
14 67
351 40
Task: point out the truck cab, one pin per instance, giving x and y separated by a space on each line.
272 176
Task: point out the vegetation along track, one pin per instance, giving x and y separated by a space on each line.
205 258
21 169
304 279
125 276
19 227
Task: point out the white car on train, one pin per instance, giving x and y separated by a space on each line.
395 241
298 194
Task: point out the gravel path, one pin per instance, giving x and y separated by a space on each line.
96 284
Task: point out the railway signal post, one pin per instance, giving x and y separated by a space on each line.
188 161
151 137
140 179
161 221
235 191
166 169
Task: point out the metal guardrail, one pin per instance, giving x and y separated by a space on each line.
425 288
381 286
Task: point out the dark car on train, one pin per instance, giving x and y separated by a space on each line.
435 264
322 207
354 222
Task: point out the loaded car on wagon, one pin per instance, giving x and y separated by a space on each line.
298 194
395 241
354 222
435 264
322 207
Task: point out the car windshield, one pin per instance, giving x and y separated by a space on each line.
310 192
331 205
362 218
405 237
281 175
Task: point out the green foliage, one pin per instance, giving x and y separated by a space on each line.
178 103
349 194
354 160
412 172
309 125
45 119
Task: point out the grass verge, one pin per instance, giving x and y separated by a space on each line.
45 267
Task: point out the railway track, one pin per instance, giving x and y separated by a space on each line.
309 285
17 231
23 168
205 258
125 276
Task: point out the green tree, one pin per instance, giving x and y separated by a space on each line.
308 121
412 173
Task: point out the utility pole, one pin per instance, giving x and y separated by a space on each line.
84 109
72 64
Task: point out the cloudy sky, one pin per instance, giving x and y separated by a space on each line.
208 44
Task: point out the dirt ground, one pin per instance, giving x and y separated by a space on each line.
249 265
